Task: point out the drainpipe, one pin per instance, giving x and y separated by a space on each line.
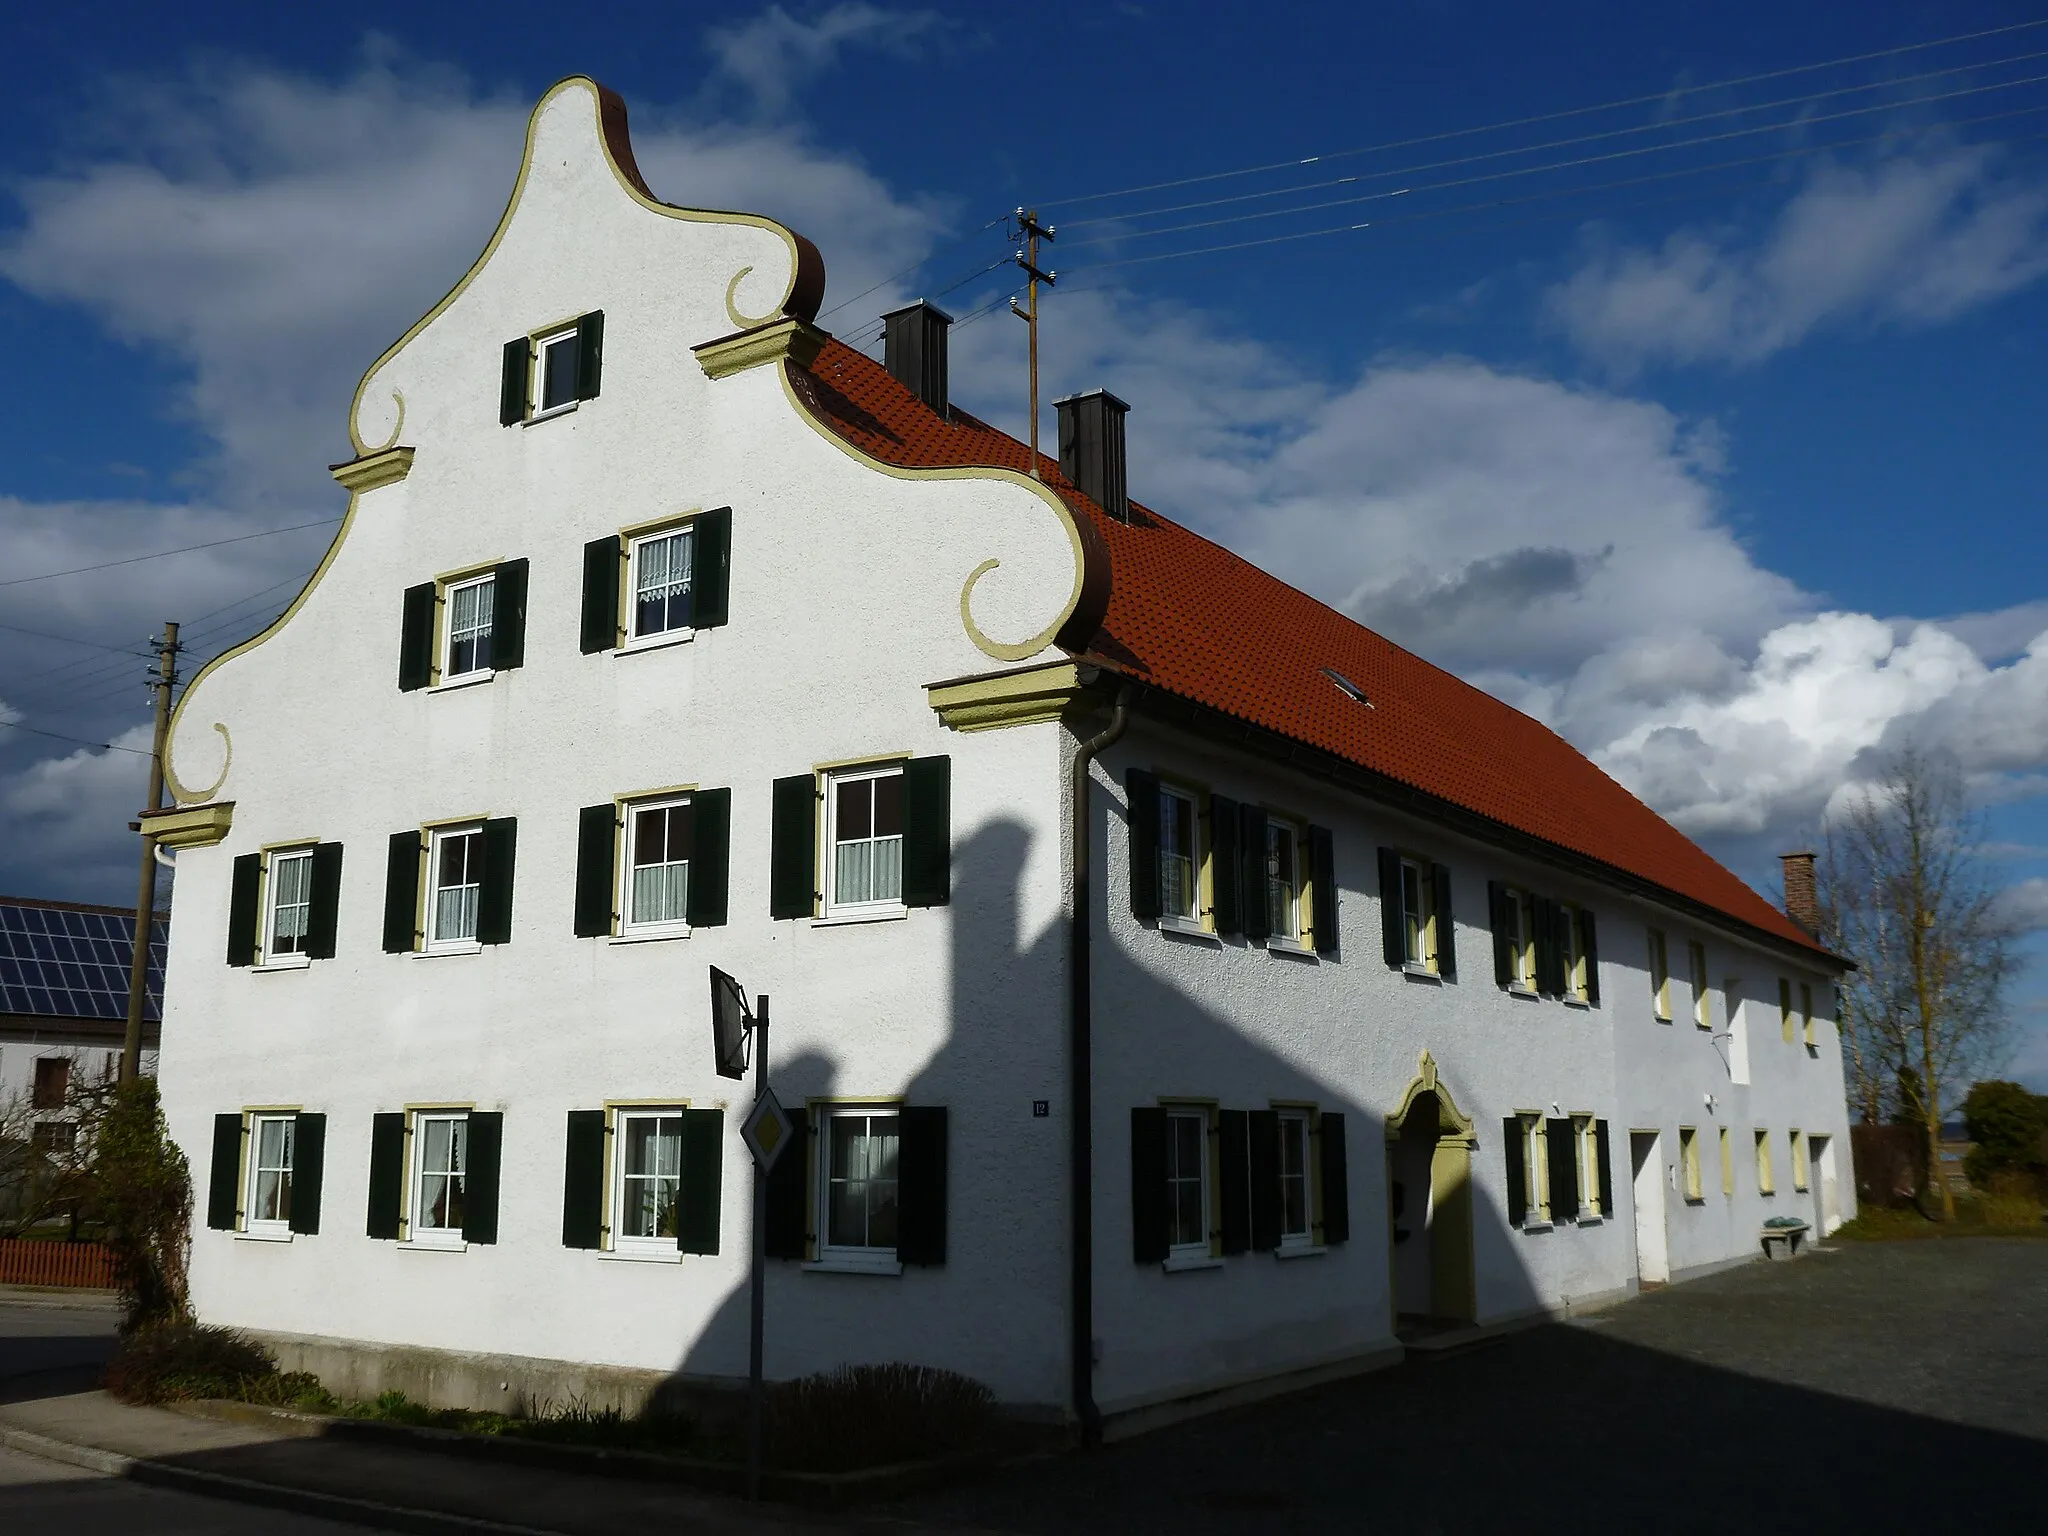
1080 1090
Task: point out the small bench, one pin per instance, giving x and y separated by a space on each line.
1781 1237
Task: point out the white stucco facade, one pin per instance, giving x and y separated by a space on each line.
853 587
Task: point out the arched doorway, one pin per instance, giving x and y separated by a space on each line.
1429 1173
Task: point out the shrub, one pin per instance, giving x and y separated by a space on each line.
873 1415
184 1359
145 1195
2005 1123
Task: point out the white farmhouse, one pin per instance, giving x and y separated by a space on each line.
663 631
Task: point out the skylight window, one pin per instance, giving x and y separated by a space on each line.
1347 687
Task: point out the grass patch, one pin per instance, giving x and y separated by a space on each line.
1999 1214
874 1416
575 1423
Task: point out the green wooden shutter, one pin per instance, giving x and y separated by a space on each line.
1515 1144
1225 877
482 1157
1150 1231
1335 1178
710 857
309 1169
601 561
515 382
494 898
1606 1170
1503 946
793 850
1393 940
1253 891
1591 948
921 1186
589 354
387 1174
1564 1170
416 637
597 842
927 831
244 914
401 892
788 1232
583 1180
697 1205
1322 874
324 913
1233 1157
711 568
1265 1180
508 615
223 1184
1141 795
1446 923
1549 962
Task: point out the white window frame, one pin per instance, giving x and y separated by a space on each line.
1535 1148
636 546
1586 1151
1521 909
835 909
417 1233
1418 923
1188 916
273 889
275 1226
866 1257
1702 994
543 345
1285 894
438 943
488 629
1660 975
1298 1122
658 928
1693 1188
624 1243
1198 1251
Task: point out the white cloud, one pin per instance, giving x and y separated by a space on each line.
2024 905
774 54
1908 241
69 816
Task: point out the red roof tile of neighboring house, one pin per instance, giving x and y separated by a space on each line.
1193 619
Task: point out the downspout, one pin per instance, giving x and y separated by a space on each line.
1080 1090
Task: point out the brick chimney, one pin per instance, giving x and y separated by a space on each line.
1802 897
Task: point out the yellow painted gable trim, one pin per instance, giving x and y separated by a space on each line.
788 337
197 826
1009 698
385 467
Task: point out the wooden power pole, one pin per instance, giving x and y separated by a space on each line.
145 888
1033 232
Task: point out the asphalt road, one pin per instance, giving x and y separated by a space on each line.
47 1496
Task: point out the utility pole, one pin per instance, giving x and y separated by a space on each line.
1033 232
145 887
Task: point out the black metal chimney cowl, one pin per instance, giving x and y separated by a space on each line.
914 352
1092 449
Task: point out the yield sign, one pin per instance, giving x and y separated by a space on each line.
767 1129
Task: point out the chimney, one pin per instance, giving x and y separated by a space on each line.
1802 897
1092 449
914 352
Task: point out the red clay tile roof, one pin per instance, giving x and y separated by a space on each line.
1172 591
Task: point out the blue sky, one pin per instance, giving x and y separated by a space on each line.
1722 457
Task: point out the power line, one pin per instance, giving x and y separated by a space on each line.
1582 160
1586 138
68 640
107 565
860 336
923 261
76 741
1550 117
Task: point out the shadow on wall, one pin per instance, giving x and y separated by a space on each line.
997 1308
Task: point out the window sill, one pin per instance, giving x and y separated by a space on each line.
251 1235
1517 989
1300 1251
850 1264
844 919
1695 1199
1182 928
651 935
452 1243
1293 949
286 963
447 952
1574 1002
658 642
1536 1224
550 413
1662 1018
1705 1029
467 680
650 1255
1180 1263
1416 971
1591 1219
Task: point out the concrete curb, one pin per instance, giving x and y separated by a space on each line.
81 1300
242 1490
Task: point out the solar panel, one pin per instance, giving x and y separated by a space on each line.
73 965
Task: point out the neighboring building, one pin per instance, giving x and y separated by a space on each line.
665 632
64 1006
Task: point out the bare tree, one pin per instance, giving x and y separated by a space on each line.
1907 894
46 1151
